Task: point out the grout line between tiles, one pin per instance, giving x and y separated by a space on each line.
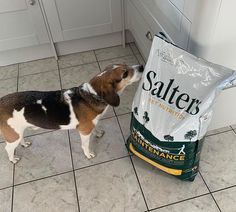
210 191
72 162
135 55
97 61
174 203
59 73
5 188
42 72
139 53
139 182
107 161
40 133
108 47
42 178
219 133
232 128
17 80
13 188
222 189
135 172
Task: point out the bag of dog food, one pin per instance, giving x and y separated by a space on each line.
172 108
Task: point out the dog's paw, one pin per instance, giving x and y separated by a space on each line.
99 133
90 155
15 160
26 144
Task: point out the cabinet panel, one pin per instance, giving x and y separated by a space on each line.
22 25
74 19
12 5
163 14
139 29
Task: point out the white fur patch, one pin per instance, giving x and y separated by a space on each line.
99 75
44 108
18 121
87 87
39 101
73 120
95 121
137 75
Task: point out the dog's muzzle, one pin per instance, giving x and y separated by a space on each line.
138 70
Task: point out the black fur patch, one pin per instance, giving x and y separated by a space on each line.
56 111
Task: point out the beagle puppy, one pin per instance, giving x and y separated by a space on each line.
76 108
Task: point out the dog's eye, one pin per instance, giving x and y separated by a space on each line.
125 74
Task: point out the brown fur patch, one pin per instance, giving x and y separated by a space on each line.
112 81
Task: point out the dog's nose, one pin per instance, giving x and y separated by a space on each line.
140 68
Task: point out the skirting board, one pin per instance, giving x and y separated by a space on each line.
66 47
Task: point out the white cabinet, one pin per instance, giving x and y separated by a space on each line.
22 24
75 19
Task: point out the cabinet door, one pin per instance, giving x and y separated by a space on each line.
22 24
74 19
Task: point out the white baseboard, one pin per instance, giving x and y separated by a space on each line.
25 54
86 44
66 47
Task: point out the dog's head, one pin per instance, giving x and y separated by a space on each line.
113 81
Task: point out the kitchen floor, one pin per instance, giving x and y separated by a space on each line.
54 175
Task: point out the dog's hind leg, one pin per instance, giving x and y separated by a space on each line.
13 139
10 148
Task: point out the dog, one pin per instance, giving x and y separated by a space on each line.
75 108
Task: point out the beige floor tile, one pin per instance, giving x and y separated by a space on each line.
140 59
110 146
200 204
126 99
134 48
109 113
49 154
161 189
75 76
7 72
42 81
5 200
216 131
125 124
30 132
129 60
6 168
109 187
226 199
49 195
37 66
8 86
218 160
113 52
76 59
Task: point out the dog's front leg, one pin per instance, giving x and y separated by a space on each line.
85 140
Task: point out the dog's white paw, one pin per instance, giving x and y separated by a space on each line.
100 133
90 155
15 160
26 144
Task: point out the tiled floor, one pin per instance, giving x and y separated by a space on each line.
54 175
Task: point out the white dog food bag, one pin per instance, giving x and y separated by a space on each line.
172 108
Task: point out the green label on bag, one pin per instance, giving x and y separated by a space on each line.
177 158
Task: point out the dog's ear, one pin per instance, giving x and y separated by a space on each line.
111 97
